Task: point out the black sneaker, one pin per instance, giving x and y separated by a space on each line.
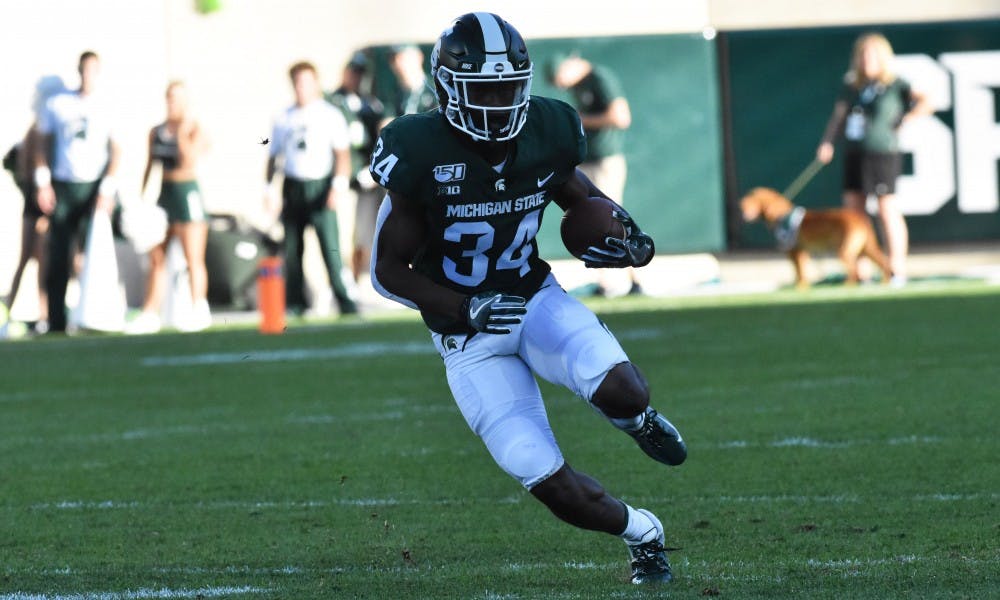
649 559
660 439
635 289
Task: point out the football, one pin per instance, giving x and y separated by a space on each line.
588 224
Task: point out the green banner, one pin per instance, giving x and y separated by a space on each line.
673 148
781 88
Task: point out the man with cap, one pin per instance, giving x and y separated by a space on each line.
363 112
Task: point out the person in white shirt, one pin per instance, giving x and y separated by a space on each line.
76 132
312 142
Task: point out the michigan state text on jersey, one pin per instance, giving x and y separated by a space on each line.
481 220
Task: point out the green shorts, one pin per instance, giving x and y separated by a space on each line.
182 201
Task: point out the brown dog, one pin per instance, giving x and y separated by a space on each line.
850 234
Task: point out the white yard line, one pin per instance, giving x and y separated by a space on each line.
355 350
140 594
265 504
513 499
205 429
359 350
809 442
397 414
719 570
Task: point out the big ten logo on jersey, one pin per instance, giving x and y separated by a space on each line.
447 174
947 163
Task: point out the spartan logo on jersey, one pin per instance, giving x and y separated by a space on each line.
446 173
450 343
500 185
300 138
77 129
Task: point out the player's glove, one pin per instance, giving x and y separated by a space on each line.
635 250
493 312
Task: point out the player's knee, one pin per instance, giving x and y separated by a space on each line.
623 393
530 461
590 364
523 451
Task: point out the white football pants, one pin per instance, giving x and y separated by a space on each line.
491 378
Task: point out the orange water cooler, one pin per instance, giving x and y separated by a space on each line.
271 295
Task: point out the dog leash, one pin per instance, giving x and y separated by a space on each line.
804 178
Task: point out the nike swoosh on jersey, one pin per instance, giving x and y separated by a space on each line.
542 182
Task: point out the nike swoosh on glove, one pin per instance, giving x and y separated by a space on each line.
636 250
493 312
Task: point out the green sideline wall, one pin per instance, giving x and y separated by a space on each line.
715 118
674 152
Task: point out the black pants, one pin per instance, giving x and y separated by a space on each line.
68 223
305 204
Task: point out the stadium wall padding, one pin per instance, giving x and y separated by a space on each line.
782 85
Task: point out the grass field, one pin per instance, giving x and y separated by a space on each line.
843 443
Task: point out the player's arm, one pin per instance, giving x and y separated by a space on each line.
834 127
109 184
397 243
272 195
920 106
635 250
398 240
46 196
578 188
149 161
24 166
341 181
618 115
192 142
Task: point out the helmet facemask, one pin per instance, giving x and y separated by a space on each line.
491 105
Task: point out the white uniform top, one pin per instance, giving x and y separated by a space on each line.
306 137
81 129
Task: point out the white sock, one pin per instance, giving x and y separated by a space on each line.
629 423
639 529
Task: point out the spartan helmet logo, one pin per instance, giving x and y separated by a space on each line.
450 343
500 185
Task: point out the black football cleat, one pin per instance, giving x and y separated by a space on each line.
649 559
660 439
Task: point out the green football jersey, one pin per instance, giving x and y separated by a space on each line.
874 114
481 223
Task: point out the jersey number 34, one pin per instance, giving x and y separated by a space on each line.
475 261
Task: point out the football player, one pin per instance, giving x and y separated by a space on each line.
455 239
